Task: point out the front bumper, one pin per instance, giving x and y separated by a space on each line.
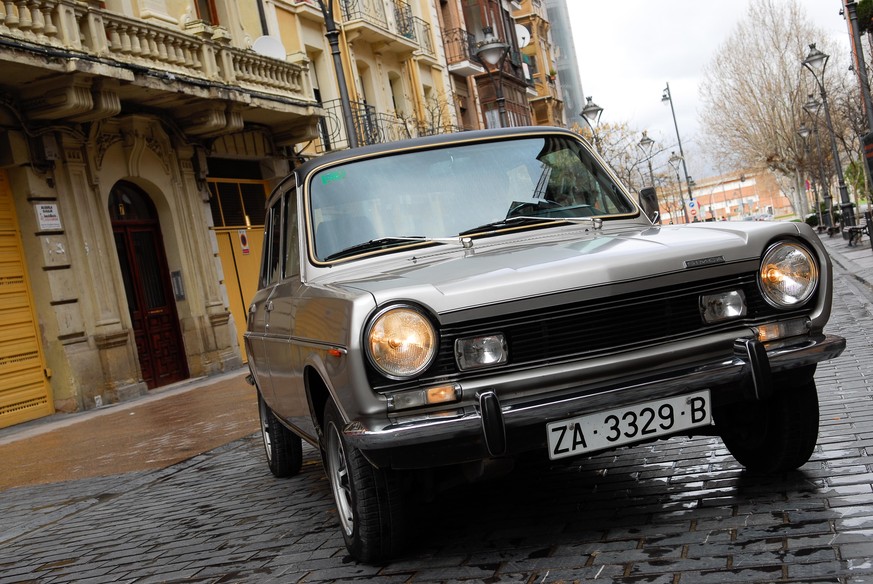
498 427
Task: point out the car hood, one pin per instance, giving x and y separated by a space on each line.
545 262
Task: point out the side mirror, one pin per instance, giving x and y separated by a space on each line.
649 203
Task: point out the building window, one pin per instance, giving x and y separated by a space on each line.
206 11
237 203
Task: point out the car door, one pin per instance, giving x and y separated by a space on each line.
283 352
258 326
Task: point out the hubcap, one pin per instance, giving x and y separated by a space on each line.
339 479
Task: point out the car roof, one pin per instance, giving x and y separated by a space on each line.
426 142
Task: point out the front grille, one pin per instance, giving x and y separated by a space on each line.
592 328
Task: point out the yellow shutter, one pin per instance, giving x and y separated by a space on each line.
24 392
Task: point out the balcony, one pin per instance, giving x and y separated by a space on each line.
460 48
371 127
390 30
73 61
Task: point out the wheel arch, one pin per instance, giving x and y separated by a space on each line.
318 394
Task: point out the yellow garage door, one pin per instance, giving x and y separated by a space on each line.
238 210
240 254
24 392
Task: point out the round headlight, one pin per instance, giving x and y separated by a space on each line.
401 343
788 276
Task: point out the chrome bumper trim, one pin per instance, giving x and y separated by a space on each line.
733 370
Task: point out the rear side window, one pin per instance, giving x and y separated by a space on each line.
281 258
272 265
292 245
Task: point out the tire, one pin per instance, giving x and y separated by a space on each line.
283 447
369 501
776 435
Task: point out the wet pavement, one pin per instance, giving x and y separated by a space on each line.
170 425
175 488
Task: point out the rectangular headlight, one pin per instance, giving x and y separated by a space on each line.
722 306
482 351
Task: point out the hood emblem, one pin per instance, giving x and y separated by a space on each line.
711 261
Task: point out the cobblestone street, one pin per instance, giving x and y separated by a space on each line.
678 511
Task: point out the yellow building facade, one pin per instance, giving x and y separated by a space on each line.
114 118
139 139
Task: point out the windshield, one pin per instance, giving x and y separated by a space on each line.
458 189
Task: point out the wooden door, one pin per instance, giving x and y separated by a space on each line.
147 286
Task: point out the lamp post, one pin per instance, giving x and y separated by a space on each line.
592 112
332 34
674 161
492 53
667 97
811 107
646 144
804 132
815 63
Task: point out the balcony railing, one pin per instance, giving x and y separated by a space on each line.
201 52
371 11
389 19
425 40
460 45
371 127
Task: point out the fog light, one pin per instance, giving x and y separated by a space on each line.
780 330
722 306
479 352
415 398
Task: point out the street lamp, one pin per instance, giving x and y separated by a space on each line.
804 132
812 107
592 112
815 63
332 34
667 97
646 144
492 53
674 161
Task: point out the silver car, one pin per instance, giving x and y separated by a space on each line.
442 305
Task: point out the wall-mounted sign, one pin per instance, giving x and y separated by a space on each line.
47 217
244 241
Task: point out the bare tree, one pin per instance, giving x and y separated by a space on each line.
617 143
754 90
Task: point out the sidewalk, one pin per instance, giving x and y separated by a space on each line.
167 426
857 260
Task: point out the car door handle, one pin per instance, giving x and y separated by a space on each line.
269 306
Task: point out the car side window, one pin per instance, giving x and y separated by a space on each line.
292 241
272 245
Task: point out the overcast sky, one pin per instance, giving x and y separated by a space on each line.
628 51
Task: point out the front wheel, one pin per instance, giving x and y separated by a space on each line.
775 435
368 500
283 447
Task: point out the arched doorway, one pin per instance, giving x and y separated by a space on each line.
147 285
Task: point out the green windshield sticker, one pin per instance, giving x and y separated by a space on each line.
329 177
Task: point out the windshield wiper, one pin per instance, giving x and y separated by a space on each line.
519 220
378 243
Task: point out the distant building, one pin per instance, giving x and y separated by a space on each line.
730 197
539 55
567 64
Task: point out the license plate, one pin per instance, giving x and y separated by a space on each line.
629 424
